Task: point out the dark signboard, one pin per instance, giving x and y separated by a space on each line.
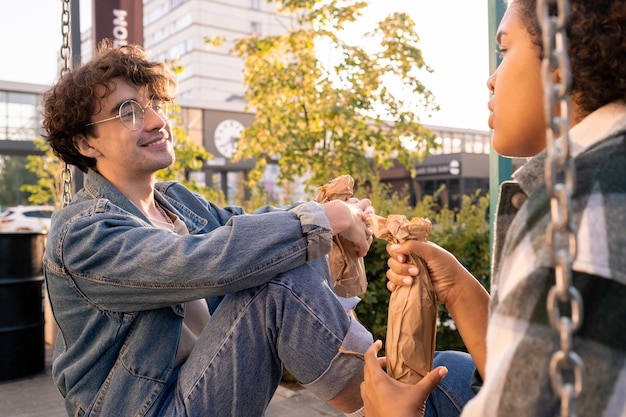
451 168
118 20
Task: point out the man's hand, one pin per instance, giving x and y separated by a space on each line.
350 220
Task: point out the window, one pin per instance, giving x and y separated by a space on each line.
255 28
191 120
19 116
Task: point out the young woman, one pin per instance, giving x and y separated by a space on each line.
513 344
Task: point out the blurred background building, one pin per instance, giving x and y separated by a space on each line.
211 98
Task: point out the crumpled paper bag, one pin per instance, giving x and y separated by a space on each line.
412 316
347 270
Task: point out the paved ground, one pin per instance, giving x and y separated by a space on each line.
36 396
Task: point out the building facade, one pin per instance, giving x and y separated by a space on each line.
211 94
212 105
20 117
460 163
178 29
210 88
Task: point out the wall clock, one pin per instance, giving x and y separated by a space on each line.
226 134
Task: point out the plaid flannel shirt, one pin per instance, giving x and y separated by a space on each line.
520 340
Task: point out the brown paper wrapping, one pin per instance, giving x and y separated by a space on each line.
347 270
412 316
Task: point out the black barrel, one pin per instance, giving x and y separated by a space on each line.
22 345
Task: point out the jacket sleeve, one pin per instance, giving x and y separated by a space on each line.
122 263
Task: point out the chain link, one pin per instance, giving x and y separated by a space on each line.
66 176
66 50
566 366
66 55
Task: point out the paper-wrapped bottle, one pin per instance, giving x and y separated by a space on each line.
412 315
347 270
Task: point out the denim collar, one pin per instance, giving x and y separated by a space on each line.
98 187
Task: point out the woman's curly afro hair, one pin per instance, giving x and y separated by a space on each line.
596 48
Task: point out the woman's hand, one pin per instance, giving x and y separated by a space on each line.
351 221
444 269
465 298
383 396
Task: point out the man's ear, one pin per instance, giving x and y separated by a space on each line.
82 145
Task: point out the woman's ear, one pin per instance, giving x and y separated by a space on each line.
83 146
577 113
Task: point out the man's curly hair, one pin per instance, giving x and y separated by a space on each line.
596 48
69 105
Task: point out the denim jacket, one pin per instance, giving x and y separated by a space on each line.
117 284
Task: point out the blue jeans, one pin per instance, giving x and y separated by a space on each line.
294 320
451 395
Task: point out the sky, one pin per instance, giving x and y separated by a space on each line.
453 39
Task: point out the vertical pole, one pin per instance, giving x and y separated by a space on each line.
75 33
77 174
499 168
224 184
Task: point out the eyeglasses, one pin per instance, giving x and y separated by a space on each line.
132 114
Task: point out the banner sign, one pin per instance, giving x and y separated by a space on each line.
118 20
452 168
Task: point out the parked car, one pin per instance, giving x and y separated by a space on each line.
26 219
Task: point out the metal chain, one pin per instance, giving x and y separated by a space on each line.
566 366
66 54
66 49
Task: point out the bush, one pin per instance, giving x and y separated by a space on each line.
465 234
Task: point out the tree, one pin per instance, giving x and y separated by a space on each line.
48 170
464 233
354 116
189 157
13 174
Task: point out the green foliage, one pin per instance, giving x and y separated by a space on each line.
189 157
47 186
465 234
13 174
48 169
372 310
321 119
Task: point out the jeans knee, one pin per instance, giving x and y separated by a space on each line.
451 395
